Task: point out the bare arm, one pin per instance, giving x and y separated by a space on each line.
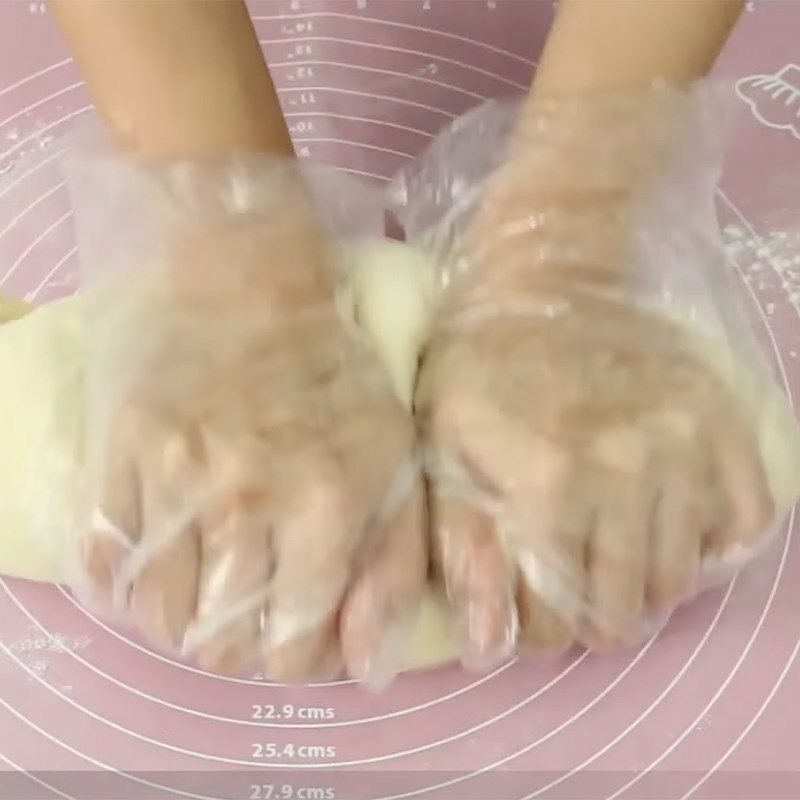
625 44
184 77
599 153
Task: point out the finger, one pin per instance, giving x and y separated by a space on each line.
160 572
316 540
115 526
550 531
102 550
163 595
542 628
478 581
381 607
233 585
552 591
311 654
617 560
744 488
678 528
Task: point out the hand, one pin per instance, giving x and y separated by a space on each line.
255 497
586 467
586 462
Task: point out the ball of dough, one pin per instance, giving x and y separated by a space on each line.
11 308
389 297
40 445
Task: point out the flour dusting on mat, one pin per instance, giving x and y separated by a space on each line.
37 650
770 261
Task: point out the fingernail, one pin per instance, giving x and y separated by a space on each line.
330 669
725 563
377 672
379 666
285 627
488 642
656 621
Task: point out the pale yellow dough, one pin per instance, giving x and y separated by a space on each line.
41 413
390 297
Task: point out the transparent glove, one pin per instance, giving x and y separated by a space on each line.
590 464
252 496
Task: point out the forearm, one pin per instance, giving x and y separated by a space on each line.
601 51
178 78
626 44
594 136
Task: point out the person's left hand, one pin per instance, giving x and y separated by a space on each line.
585 461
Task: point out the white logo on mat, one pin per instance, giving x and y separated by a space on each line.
774 99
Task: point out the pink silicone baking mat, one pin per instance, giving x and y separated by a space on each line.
709 708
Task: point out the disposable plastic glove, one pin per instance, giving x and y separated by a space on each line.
253 497
586 460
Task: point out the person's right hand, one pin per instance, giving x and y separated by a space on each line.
255 499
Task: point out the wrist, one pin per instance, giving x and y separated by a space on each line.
197 116
176 79
580 175
235 234
256 241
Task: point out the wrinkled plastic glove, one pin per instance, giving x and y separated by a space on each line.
253 499
586 461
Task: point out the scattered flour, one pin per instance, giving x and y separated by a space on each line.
56 643
36 651
28 140
770 262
